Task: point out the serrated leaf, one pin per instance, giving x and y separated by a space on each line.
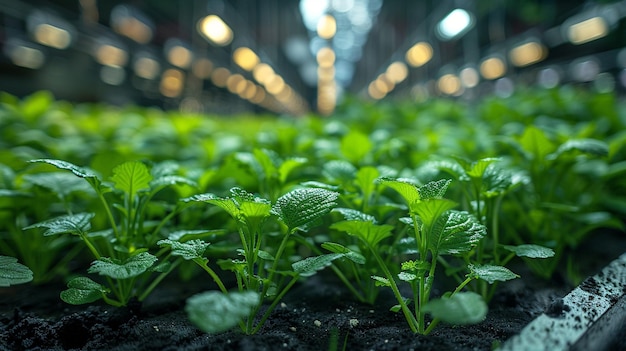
260 208
75 224
300 207
311 265
188 250
82 172
430 210
60 183
530 250
478 168
459 309
380 281
131 267
367 231
407 277
12 272
349 254
265 255
456 232
82 290
407 188
185 235
491 273
214 312
350 214
434 190
168 180
131 177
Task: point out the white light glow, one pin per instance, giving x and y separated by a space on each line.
454 24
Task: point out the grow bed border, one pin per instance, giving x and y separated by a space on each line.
588 318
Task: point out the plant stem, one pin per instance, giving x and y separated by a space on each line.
277 299
212 273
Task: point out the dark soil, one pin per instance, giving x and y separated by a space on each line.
312 315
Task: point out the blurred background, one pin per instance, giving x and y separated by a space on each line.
296 56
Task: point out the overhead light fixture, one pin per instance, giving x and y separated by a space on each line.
397 72
215 30
528 53
245 58
326 27
419 54
587 30
449 84
492 68
455 24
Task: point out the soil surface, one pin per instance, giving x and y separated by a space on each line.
34 318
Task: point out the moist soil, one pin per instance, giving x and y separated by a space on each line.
314 315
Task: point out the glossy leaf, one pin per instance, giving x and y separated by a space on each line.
530 250
81 172
12 272
82 290
434 190
215 312
132 267
455 232
61 184
303 206
311 265
76 224
407 188
491 273
346 252
188 250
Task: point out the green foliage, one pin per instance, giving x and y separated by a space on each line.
12 272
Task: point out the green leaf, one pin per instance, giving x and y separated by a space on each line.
185 235
366 179
530 250
459 309
367 231
259 208
188 250
430 210
434 190
491 273
76 224
131 267
350 214
215 312
169 180
82 290
380 281
131 177
536 143
407 277
355 146
311 265
81 172
60 183
340 171
12 272
456 232
588 146
285 169
303 206
407 188
349 254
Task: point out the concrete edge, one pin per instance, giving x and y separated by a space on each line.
587 318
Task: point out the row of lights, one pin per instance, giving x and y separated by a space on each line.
578 30
111 54
327 89
214 29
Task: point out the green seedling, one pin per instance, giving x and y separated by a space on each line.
437 230
265 270
121 251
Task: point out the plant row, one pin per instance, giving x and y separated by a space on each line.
404 197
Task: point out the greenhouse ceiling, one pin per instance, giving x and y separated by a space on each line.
294 56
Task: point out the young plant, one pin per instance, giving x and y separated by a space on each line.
263 272
122 251
483 188
13 273
560 204
437 230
